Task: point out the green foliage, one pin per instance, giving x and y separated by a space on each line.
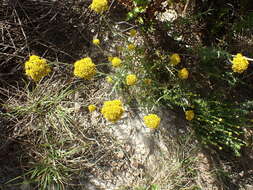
245 24
50 172
154 187
139 8
210 91
220 124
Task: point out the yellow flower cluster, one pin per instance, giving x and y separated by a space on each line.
133 32
36 67
92 107
152 121
183 73
112 110
175 59
189 115
131 79
116 62
85 68
240 64
99 6
96 42
131 47
109 79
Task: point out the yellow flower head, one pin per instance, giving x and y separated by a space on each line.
36 67
92 107
116 62
131 46
84 68
99 6
133 32
96 42
109 79
189 115
175 59
183 73
112 110
152 121
131 80
239 63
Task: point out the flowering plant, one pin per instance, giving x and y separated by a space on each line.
84 68
112 110
36 68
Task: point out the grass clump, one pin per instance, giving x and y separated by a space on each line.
58 141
